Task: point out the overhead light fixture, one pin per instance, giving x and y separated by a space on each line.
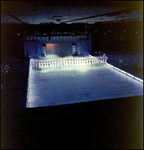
57 18
91 22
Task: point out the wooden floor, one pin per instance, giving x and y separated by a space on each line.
74 85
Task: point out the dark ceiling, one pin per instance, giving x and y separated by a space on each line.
106 20
69 12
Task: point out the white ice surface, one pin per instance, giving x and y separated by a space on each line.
78 84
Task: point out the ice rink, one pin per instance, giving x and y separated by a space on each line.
60 86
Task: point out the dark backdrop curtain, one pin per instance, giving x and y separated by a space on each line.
32 48
85 46
60 49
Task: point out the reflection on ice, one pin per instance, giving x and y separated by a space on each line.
59 86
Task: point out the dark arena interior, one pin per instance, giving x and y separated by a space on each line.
93 107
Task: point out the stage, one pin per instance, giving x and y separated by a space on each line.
68 85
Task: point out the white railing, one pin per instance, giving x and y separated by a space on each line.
124 72
66 62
